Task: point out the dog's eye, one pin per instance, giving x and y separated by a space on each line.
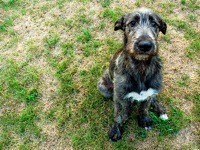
132 23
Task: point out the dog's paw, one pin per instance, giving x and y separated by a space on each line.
164 117
144 122
115 132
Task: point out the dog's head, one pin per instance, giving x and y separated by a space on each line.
141 28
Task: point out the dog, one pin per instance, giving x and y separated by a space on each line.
135 71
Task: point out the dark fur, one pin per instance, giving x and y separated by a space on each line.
134 70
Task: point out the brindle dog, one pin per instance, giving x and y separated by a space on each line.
134 73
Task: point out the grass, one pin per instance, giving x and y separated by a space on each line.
54 52
112 14
105 3
85 36
6 23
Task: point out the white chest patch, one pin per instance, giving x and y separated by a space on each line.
142 96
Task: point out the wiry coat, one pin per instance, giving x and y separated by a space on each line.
134 73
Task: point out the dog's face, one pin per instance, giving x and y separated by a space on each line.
141 29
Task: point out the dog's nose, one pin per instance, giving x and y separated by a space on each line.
145 46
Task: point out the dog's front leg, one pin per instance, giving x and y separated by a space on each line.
144 119
122 109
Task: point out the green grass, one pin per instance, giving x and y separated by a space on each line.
111 14
105 3
90 47
190 34
84 36
22 125
184 81
7 22
8 4
183 2
102 25
51 41
177 120
192 17
83 19
68 48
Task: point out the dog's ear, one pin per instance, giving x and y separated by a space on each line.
120 24
163 27
162 24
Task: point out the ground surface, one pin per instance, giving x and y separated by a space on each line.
51 56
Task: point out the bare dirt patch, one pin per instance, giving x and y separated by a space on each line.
187 137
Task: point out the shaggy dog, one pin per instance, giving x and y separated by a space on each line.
134 73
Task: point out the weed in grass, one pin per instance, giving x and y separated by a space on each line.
102 25
51 41
9 82
8 126
183 2
105 3
183 82
65 75
63 65
83 19
113 15
24 147
9 4
67 49
176 121
32 48
8 21
69 23
112 44
193 49
193 4
12 124
13 41
85 36
140 134
32 96
84 1
190 34
61 3
16 81
181 24
23 12
83 73
138 3
90 47
195 97
27 122
166 38
29 76
168 7
27 115
193 17
50 115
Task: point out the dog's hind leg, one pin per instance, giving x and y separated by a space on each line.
105 85
158 109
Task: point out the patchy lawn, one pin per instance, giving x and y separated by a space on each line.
52 55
